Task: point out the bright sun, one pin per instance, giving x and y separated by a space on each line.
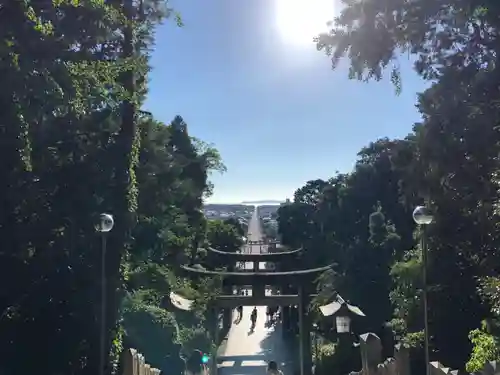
299 21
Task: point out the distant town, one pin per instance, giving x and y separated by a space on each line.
267 212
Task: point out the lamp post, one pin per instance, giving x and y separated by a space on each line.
316 343
343 314
423 217
343 326
105 224
343 323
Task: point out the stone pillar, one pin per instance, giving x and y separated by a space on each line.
227 320
255 266
402 358
294 320
259 290
344 350
285 318
304 333
214 367
227 313
286 312
371 353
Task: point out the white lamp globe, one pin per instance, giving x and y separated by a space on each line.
422 215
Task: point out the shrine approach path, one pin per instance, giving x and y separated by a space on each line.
246 352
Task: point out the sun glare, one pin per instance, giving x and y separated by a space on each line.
299 21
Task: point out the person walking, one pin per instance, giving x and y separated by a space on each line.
253 317
278 314
272 368
239 309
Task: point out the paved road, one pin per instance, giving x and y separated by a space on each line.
247 353
255 234
254 230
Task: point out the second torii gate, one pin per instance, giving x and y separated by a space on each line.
258 280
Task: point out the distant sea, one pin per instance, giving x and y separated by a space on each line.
250 203
263 202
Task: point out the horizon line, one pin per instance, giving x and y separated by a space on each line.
270 201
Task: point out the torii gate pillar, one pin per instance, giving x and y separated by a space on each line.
304 333
258 290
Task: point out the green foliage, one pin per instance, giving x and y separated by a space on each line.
150 328
489 290
371 34
326 350
405 294
325 355
485 340
224 236
449 161
485 349
169 226
362 221
74 144
237 224
270 229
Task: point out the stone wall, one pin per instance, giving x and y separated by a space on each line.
372 364
135 364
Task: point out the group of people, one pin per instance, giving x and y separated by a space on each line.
272 368
272 314
253 315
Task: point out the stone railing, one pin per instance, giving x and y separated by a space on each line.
371 359
490 368
135 364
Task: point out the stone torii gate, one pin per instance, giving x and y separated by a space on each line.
255 259
258 280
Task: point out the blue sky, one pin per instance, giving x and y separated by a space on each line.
244 77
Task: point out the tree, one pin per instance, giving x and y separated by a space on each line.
223 236
350 225
236 224
454 148
68 69
372 34
168 198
